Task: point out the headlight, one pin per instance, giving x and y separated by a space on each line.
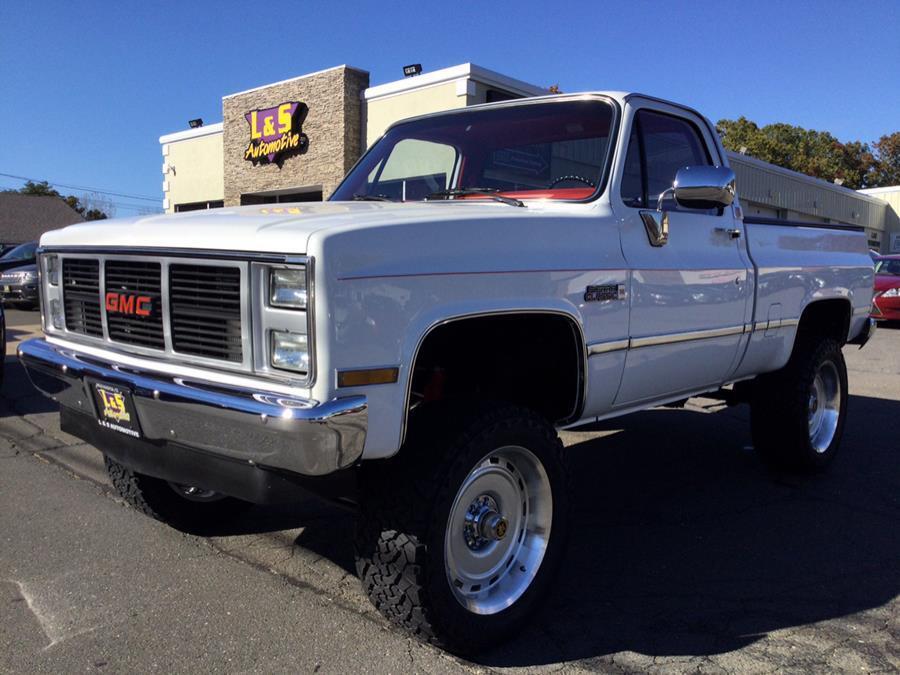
287 288
53 270
891 293
29 277
290 351
56 314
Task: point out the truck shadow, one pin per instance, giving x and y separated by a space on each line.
17 395
682 544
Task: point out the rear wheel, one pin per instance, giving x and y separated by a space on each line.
459 537
184 507
798 413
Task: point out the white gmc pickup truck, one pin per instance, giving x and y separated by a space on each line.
480 279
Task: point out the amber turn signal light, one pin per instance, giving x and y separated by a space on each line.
361 378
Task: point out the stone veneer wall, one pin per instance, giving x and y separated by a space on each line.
334 126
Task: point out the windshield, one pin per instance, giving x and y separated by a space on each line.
21 252
552 150
888 266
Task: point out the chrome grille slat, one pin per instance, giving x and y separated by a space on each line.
200 299
81 296
133 277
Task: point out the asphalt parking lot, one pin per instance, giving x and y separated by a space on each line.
686 555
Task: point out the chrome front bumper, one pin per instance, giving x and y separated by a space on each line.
255 427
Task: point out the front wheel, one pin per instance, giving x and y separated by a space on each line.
459 537
798 413
184 507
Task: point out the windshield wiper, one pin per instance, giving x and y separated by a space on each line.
484 191
371 198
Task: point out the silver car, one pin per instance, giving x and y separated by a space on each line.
19 286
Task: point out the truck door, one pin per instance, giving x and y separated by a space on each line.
690 297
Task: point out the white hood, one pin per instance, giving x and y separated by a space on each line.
271 228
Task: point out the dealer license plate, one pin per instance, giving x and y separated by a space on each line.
115 409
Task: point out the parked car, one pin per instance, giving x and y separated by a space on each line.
23 254
481 278
19 286
886 306
874 255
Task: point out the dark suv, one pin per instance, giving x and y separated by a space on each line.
23 254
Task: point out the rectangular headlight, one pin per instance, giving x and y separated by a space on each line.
287 288
290 351
53 270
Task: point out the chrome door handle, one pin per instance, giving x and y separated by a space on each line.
732 232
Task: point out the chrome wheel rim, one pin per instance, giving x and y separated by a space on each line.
195 494
498 530
824 406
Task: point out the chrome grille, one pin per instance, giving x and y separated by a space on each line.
200 310
81 296
136 279
205 308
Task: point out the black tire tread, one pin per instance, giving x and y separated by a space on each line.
394 528
779 408
156 499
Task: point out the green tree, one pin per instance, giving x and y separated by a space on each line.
817 153
43 189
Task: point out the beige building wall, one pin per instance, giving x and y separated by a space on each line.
436 91
192 167
383 112
890 195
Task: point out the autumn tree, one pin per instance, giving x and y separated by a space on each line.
816 153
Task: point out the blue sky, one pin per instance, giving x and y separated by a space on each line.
87 88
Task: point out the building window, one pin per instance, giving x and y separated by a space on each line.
199 206
497 95
251 198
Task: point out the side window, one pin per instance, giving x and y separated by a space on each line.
660 145
633 192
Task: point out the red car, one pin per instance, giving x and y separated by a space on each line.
887 288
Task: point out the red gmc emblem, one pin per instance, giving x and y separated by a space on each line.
123 303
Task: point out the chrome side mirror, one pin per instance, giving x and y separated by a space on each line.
704 187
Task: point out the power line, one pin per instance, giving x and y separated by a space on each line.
122 205
89 189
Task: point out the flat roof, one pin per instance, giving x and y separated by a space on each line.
863 195
462 71
205 130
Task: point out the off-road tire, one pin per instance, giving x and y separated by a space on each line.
154 497
780 408
404 509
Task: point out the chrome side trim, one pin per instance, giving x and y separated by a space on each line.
256 426
672 338
607 347
668 338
